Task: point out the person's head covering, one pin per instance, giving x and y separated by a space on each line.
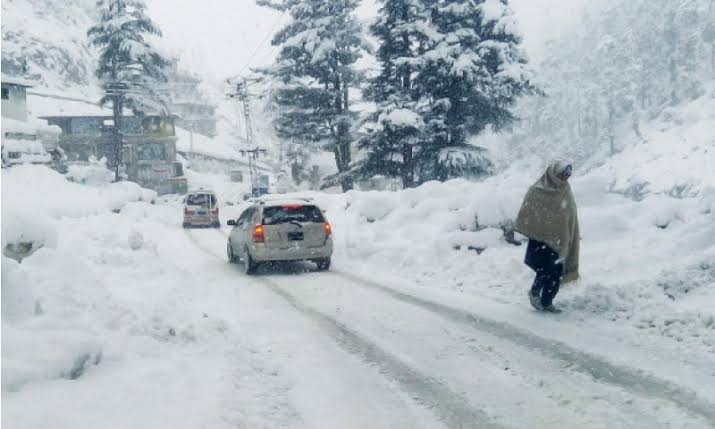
556 176
549 214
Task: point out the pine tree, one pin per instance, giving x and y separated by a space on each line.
129 68
314 73
403 32
470 79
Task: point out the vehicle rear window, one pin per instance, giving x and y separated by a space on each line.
205 200
292 213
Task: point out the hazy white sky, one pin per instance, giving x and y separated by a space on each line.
219 38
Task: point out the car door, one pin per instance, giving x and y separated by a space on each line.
246 227
237 234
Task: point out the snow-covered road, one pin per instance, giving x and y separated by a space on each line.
362 353
127 320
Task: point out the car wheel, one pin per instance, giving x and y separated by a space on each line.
185 225
249 266
323 264
229 252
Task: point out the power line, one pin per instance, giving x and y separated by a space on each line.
265 38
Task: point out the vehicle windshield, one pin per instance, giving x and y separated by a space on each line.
292 213
204 200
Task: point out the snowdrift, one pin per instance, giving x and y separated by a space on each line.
648 262
35 197
100 293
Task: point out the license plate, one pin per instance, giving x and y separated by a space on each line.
201 213
295 236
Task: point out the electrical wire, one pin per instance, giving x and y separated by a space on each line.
265 38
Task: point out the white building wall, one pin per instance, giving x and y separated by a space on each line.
15 106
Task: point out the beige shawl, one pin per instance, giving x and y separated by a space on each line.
548 214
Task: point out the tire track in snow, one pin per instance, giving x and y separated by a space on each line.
452 408
630 379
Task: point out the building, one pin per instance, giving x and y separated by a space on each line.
189 104
91 135
26 139
148 150
195 116
14 98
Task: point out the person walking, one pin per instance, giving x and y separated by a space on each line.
548 217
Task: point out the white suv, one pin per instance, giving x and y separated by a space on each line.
280 231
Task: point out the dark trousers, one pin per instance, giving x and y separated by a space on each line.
542 259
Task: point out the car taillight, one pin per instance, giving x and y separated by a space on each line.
258 236
328 230
187 211
214 210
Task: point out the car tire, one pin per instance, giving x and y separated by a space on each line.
249 266
217 225
185 225
229 253
323 264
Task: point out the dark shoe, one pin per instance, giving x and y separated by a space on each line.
535 301
551 309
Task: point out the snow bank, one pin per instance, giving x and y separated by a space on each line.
649 264
74 306
92 173
35 197
116 312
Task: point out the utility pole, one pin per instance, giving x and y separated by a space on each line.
243 96
253 155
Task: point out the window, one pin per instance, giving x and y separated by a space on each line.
20 136
14 155
6 93
291 213
87 126
203 200
131 125
157 126
151 152
246 217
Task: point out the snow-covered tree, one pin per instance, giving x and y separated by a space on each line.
448 69
403 32
470 79
313 75
129 68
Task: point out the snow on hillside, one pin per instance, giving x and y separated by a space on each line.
676 155
51 37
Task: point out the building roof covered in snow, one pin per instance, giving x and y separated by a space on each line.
17 81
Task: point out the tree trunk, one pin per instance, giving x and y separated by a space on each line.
117 137
342 137
408 174
611 131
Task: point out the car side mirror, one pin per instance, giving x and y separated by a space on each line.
231 222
